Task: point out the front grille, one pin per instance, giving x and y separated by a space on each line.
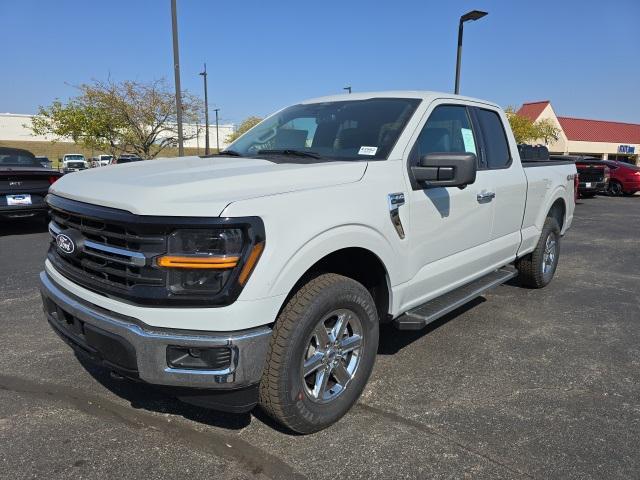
114 252
112 257
75 165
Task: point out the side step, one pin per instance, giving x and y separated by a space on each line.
421 316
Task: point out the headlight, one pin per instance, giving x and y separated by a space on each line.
203 261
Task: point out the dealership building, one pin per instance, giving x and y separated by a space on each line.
593 138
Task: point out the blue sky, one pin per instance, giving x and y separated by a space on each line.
262 55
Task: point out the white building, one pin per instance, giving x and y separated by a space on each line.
14 127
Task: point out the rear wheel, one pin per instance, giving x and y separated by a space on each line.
321 353
614 188
537 268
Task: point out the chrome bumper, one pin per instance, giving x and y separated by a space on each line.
248 348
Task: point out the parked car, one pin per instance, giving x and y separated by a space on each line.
73 162
261 275
24 183
593 174
127 158
44 161
625 178
101 161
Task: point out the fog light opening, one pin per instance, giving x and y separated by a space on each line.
198 358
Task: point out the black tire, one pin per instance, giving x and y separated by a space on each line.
534 269
284 392
614 188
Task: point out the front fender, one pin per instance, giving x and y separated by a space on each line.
327 242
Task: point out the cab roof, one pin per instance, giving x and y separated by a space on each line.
420 94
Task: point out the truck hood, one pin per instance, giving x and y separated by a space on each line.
194 186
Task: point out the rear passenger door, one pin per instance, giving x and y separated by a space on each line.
507 181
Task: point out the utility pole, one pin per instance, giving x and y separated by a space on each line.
472 15
217 136
206 112
176 71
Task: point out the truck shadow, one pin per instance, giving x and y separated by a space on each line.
393 340
22 226
155 399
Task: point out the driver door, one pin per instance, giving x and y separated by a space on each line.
450 227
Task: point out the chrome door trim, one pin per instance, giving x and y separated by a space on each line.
395 201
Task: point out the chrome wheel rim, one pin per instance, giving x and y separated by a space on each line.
550 254
332 355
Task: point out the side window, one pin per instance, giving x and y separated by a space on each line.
495 139
447 130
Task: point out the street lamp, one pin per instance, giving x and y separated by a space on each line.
472 15
217 136
176 72
206 111
347 88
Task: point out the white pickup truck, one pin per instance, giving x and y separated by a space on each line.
261 275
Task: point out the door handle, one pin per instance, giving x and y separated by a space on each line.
485 197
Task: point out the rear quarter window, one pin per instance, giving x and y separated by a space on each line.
495 139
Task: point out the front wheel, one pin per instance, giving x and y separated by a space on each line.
321 353
537 268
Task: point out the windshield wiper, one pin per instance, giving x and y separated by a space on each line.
289 151
228 153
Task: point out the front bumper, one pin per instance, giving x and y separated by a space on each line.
133 349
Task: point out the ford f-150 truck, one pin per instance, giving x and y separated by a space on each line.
261 275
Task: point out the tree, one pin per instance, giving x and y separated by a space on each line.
246 125
521 126
546 130
526 131
120 117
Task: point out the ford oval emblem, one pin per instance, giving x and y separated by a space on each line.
65 244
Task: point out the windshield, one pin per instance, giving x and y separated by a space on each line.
345 130
18 158
73 157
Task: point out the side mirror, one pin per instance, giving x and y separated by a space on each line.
446 170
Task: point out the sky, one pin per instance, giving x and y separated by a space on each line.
263 55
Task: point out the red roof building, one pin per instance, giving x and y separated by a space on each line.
579 136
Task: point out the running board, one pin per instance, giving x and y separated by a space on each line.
423 315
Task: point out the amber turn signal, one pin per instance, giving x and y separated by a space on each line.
254 256
171 261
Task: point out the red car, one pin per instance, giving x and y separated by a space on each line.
625 178
593 174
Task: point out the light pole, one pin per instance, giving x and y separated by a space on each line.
472 15
217 137
347 88
176 71
206 111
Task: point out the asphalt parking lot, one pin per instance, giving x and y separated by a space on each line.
519 384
